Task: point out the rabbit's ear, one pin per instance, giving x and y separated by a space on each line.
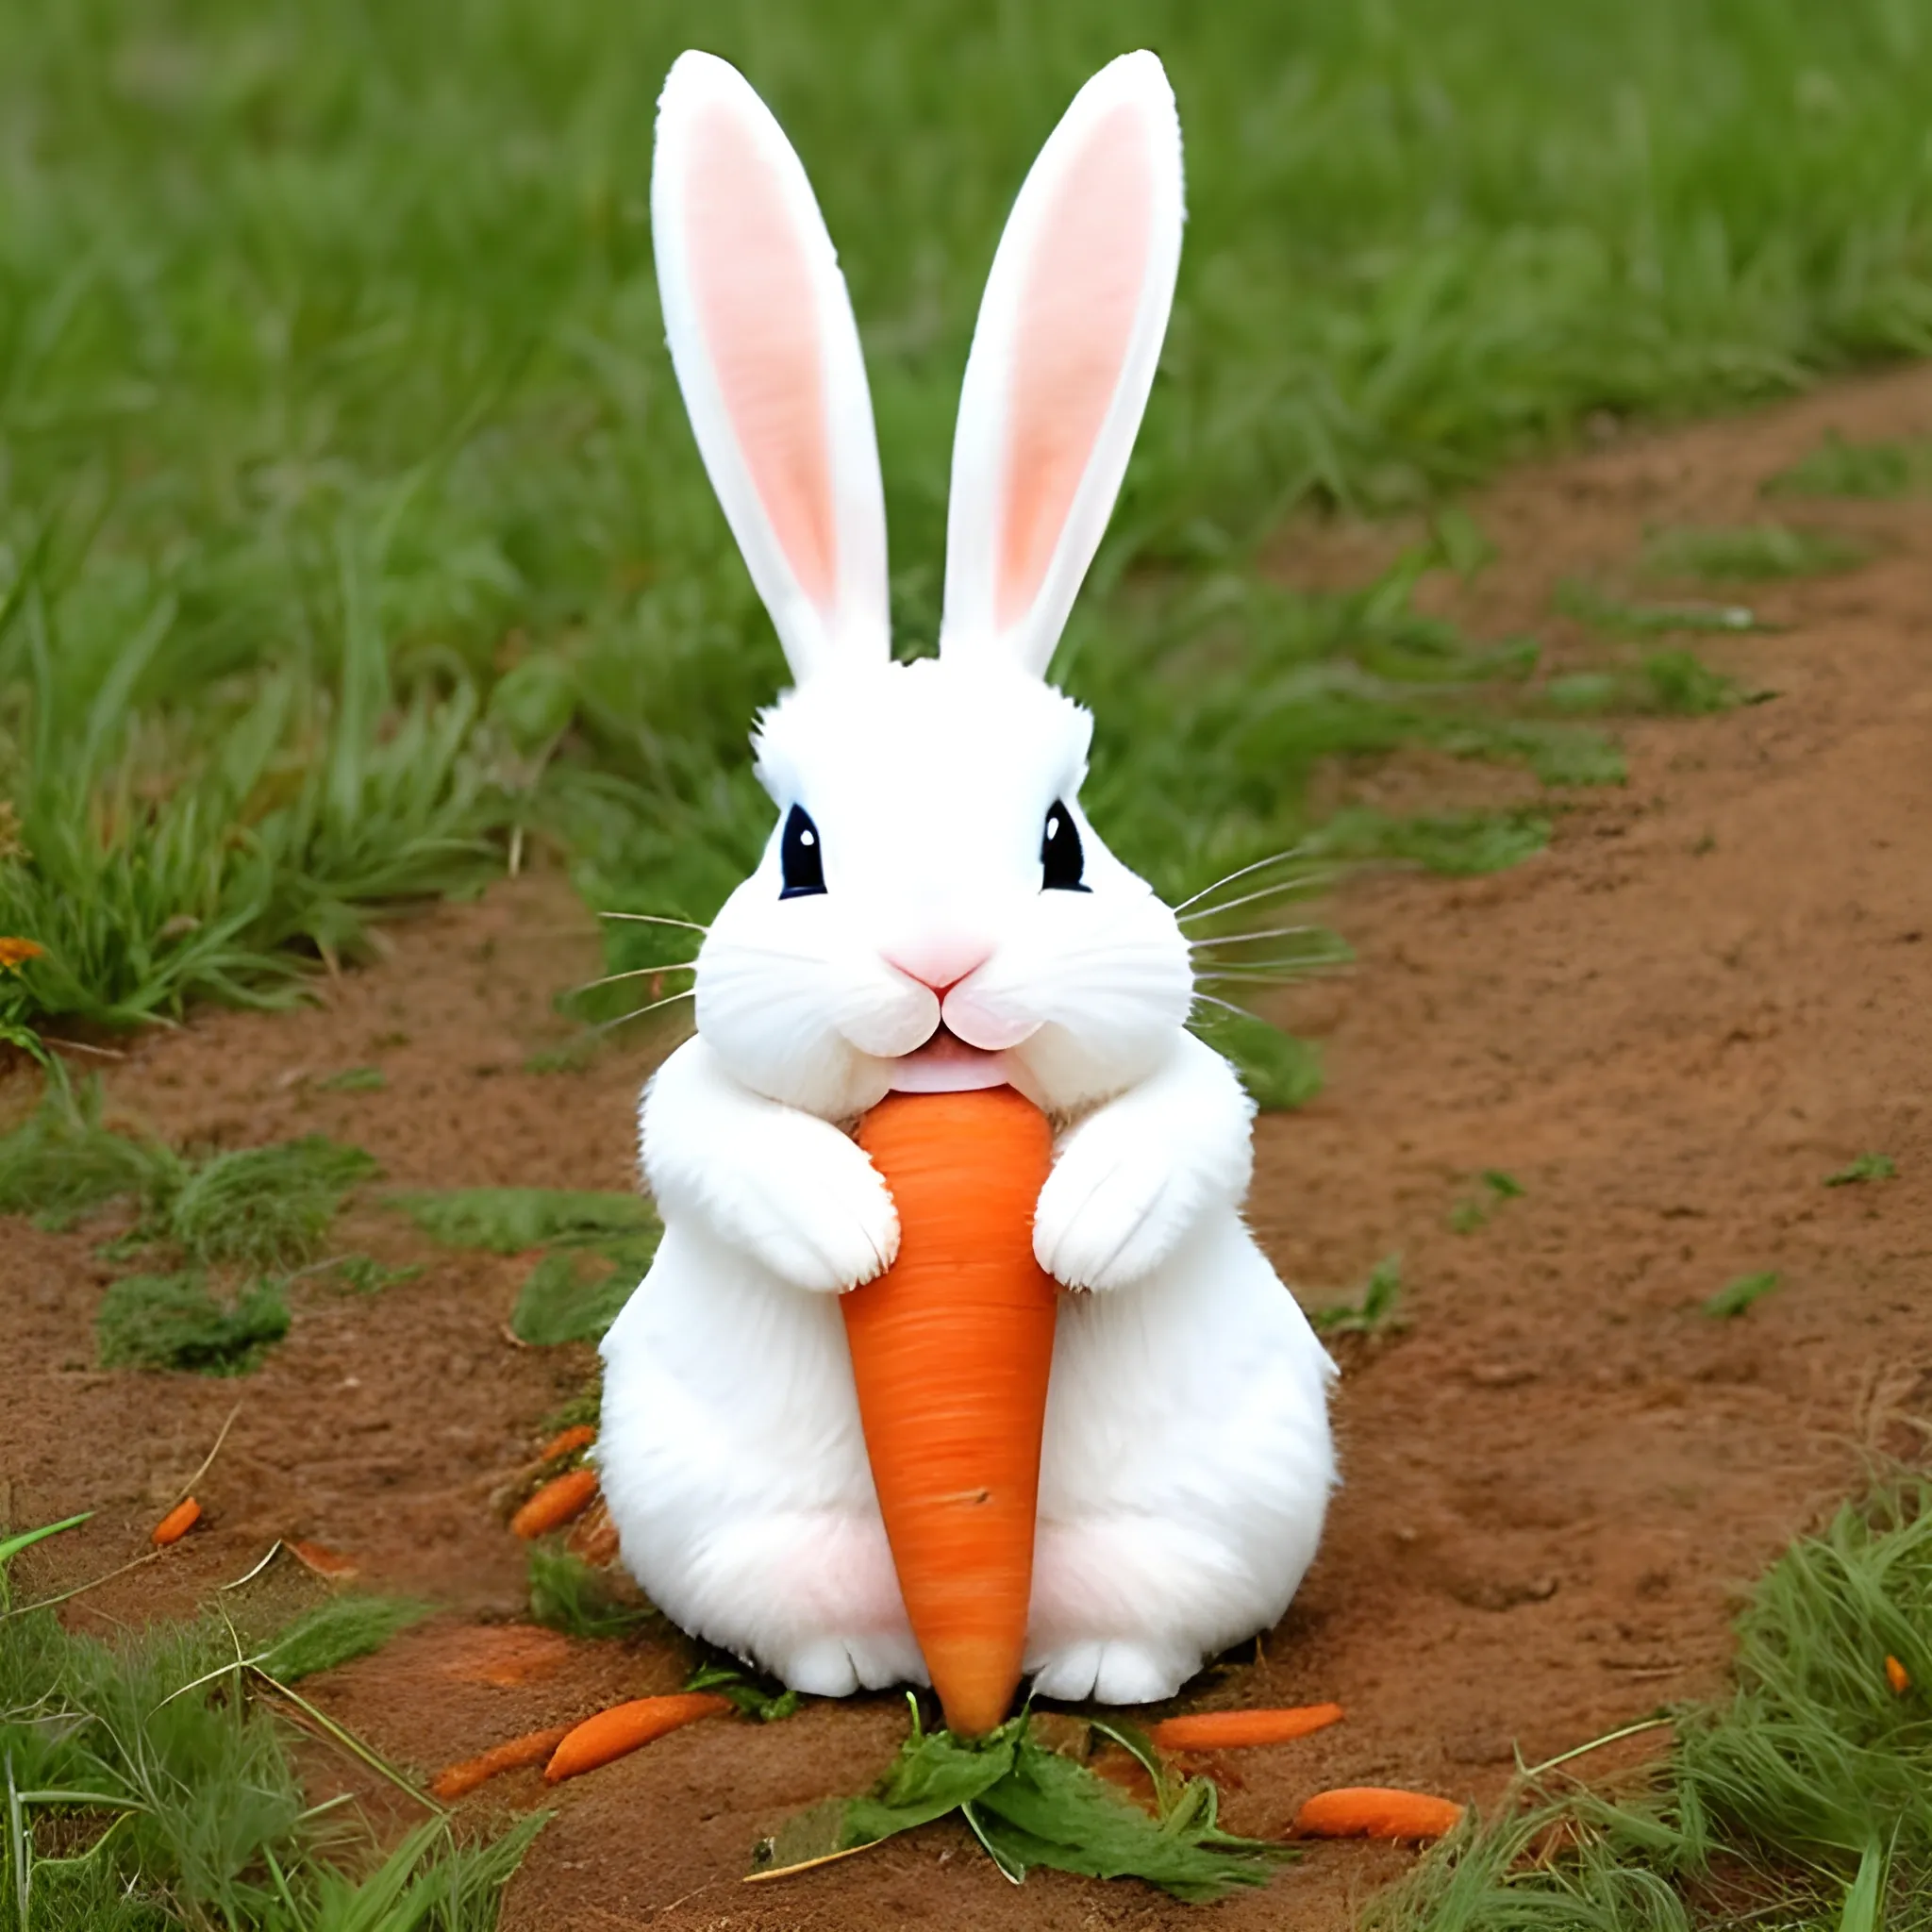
1063 356
767 355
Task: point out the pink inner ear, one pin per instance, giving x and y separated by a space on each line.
753 283
1076 314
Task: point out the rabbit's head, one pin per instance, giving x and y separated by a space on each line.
932 909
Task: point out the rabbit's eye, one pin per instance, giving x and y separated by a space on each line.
801 858
1062 861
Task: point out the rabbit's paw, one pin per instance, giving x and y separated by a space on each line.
1112 1208
824 1219
1111 1671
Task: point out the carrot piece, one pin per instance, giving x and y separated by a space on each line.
1897 1677
951 1349
1229 1730
593 1536
567 1442
533 1747
556 1503
175 1524
625 1727
324 1561
1375 1811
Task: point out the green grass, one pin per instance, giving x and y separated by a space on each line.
1867 1167
337 1630
568 1594
1377 1313
254 1206
175 1321
244 1217
1740 1295
1801 1801
263 1207
1750 552
150 1786
63 1162
1877 470
511 1221
350 539
1589 606
568 1297
596 1248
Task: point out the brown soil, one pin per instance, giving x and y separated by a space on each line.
1708 995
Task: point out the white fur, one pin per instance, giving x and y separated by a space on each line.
1022 273
1187 1460
852 624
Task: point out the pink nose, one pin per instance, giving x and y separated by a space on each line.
940 965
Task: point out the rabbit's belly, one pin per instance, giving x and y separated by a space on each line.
1187 1470
734 1467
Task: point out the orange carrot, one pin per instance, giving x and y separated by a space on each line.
950 1352
534 1747
556 1503
626 1726
1229 1730
567 1442
1375 1811
1897 1677
175 1524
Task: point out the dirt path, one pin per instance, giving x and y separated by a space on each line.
1705 996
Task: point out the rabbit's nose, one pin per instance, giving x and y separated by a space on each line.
939 963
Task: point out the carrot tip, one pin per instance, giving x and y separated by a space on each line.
1377 1811
556 1503
567 1442
1227 1730
625 1727
324 1561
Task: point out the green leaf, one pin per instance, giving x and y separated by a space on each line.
1734 1297
1031 1806
752 1696
1376 1313
1862 1896
1052 1810
12 1545
1867 1167
934 1772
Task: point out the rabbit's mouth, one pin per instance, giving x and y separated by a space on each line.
947 1064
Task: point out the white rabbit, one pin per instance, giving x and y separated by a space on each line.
934 911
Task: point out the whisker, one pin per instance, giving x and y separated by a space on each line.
1277 890
636 973
622 1018
1241 873
1266 932
1244 969
1254 979
656 919
1226 1006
